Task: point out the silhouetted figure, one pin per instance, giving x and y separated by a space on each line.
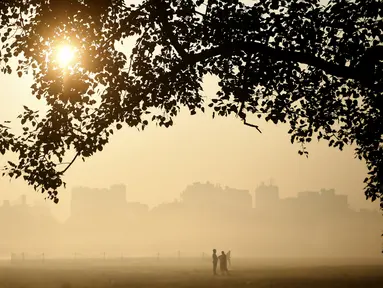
223 263
228 256
215 261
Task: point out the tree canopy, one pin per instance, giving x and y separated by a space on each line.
317 67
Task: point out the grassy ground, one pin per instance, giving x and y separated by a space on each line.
189 273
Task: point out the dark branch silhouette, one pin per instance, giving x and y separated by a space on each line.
252 125
70 164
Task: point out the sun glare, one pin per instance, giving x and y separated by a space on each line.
65 55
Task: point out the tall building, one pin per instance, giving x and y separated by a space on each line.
92 203
212 197
266 197
332 201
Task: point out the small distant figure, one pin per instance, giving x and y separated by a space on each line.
215 261
228 255
223 263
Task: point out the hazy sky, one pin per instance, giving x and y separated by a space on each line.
158 163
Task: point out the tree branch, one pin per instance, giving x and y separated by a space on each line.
252 125
70 164
168 29
231 49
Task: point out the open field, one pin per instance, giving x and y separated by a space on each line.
190 273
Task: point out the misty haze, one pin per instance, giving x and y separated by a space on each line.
191 143
314 238
258 223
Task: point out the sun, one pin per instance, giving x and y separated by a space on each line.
65 55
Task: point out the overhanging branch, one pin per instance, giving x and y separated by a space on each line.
278 54
289 56
231 49
70 164
162 6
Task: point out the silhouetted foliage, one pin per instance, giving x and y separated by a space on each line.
315 67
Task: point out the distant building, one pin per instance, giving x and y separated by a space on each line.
309 200
266 197
137 210
92 203
98 218
332 201
31 228
325 202
209 197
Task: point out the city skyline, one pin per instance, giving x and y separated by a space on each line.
40 201
314 223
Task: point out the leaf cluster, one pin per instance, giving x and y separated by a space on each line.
317 68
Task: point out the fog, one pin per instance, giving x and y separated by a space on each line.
251 224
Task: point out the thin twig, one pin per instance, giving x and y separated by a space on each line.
70 164
252 125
